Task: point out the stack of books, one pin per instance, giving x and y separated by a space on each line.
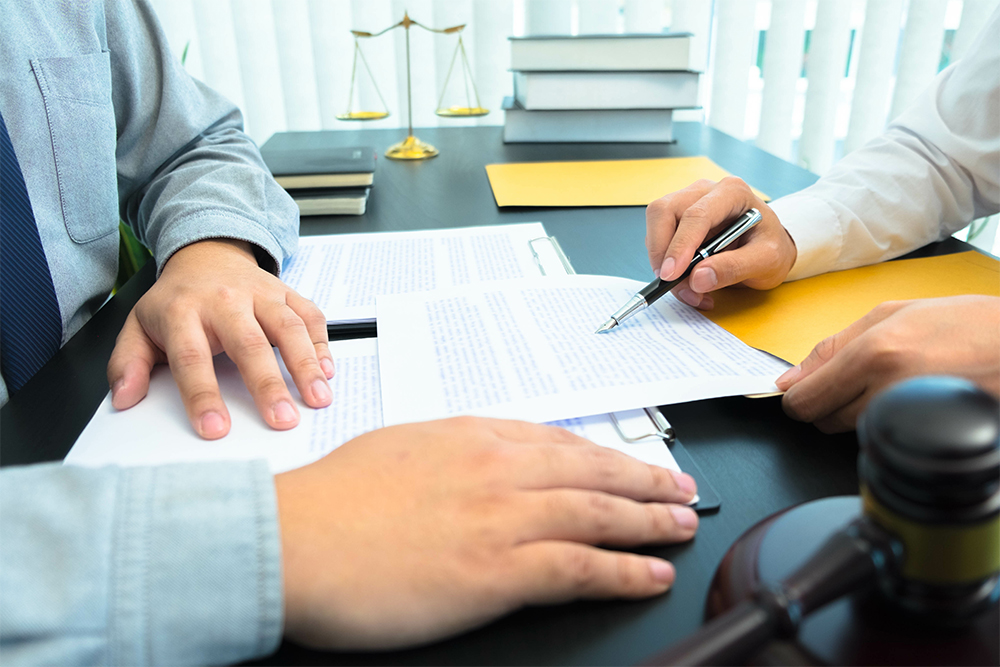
322 177
599 88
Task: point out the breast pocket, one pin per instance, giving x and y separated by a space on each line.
77 96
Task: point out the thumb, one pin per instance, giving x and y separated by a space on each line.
131 363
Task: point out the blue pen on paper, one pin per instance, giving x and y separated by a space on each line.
654 290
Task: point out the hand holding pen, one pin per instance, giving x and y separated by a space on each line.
658 288
678 224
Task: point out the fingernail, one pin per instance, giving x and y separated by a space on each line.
667 268
116 388
212 424
788 377
684 516
685 482
662 571
656 272
284 413
321 391
704 280
327 367
690 298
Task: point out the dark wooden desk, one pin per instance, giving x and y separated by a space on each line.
757 459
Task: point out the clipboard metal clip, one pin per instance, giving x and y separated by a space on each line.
662 428
559 253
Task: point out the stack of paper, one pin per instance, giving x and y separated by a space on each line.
460 332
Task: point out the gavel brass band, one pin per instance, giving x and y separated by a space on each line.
941 553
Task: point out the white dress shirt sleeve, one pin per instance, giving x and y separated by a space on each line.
934 170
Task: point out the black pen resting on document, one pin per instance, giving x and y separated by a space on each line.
654 290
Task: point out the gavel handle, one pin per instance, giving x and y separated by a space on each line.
851 560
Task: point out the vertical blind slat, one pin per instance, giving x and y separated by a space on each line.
492 23
422 61
597 17
257 50
876 57
449 13
731 59
782 66
974 16
220 56
332 48
380 52
643 16
824 73
295 64
919 53
548 17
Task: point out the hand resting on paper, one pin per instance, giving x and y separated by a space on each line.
212 296
413 533
678 224
898 339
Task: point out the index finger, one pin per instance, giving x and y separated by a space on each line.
662 216
730 198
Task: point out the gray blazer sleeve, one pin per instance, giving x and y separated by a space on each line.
186 170
170 565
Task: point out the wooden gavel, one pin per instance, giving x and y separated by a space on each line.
927 540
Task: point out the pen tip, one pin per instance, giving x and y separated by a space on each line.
607 326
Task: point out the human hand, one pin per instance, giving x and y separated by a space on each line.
898 339
414 533
678 224
212 297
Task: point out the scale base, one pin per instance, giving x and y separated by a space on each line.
411 148
856 630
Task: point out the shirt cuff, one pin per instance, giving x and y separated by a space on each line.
196 565
208 225
816 231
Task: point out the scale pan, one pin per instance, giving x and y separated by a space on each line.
462 111
363 115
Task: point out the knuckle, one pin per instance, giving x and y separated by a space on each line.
270 385
734 182
702 184
253 342
289 320
628 579
825 349
202 396
580 568
305 366
186 357
225 294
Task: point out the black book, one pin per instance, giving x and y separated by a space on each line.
316 160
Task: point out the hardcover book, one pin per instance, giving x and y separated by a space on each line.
317 160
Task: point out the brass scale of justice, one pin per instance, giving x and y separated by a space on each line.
413 148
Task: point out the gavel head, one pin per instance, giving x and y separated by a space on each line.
929 469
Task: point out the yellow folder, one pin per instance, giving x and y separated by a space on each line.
598 182
789 320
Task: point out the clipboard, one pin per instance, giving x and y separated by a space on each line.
708 497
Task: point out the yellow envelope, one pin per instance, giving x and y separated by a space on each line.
598 182
791 319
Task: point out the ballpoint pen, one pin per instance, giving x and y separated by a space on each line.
654 290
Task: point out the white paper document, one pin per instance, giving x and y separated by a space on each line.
527 350
343 273
157 430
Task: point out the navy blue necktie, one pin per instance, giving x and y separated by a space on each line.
30 321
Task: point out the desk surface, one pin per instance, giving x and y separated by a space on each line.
758 460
